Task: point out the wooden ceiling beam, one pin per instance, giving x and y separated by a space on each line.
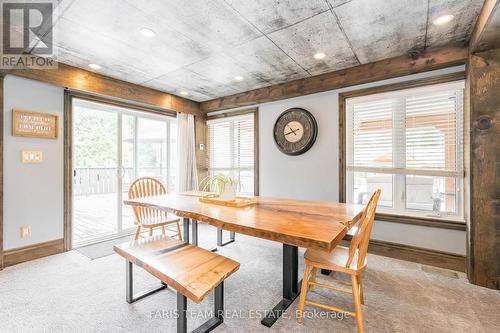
486 33
86 81
375 71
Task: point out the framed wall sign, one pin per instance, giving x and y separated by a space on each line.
34 124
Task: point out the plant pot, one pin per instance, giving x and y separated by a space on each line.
228 193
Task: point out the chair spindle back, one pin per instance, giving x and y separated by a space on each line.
146 187
361 239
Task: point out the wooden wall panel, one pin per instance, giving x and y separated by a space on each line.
484 224
486 34
78 79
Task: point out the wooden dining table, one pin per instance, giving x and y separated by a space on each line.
294 223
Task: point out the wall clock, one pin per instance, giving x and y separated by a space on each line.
295 131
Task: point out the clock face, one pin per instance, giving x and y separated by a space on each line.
295 131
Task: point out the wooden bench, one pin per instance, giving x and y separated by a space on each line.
192 271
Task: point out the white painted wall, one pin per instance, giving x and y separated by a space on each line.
33 193
314 175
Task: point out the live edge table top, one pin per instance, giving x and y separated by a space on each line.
308 224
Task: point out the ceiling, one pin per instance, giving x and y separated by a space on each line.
202 45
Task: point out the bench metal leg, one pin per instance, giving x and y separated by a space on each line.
219 237
129 283
181 313
219 301
210 324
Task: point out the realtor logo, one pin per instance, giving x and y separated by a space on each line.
27 37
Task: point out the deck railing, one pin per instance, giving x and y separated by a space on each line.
88 181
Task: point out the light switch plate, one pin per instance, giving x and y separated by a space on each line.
32 156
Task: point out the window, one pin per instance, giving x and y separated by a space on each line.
408 143
231 143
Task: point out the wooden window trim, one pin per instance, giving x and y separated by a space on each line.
120 103
255 112
404 219
232 114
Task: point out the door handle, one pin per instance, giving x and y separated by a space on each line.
122 173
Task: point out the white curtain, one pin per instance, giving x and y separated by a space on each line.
187 174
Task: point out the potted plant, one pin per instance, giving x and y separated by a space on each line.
225 186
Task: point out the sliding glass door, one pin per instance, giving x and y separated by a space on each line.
112 146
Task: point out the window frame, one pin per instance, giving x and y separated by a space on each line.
230 114
441 222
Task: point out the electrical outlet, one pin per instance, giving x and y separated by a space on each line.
26 231
31 156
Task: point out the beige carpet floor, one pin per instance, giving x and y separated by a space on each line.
71 293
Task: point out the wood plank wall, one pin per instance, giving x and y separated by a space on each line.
484 222
82 80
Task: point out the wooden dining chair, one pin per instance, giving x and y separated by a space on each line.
146 217
349 260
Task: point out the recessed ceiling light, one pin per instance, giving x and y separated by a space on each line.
146 32
184 93
319 56
443 19
238 78
95 66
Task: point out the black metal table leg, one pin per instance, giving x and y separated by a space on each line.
220 242
185 230
290 284
129 283
194 232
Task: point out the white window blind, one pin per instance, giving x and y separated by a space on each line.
231 149
409 143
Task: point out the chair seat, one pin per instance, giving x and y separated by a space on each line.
335 260
159 222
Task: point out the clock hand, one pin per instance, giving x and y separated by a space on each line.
293 131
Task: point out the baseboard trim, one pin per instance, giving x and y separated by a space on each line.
419 255
31 252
